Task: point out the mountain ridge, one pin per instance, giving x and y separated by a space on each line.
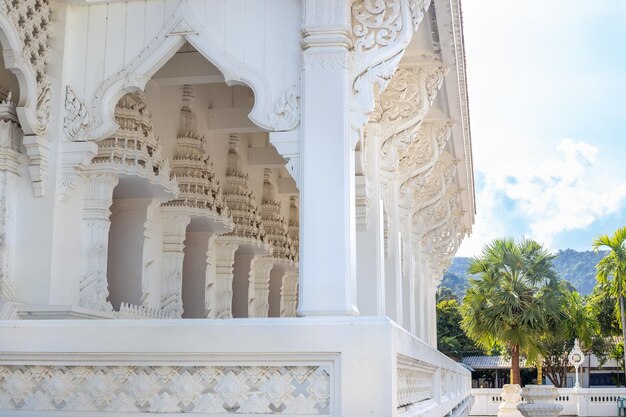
575 267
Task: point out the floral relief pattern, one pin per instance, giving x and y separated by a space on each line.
168 389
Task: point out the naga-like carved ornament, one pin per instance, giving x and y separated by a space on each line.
286 115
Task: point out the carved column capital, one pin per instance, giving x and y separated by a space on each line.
99 196
75 157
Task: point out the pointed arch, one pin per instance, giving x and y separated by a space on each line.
14 61
183 26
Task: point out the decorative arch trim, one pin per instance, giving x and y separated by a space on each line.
183 26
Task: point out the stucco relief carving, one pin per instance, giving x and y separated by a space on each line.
286 115
376 23
373 80
26 25
289 294
32 20
393 149
221 290
258 290
381 30
174 232
207 390
410 93
326 12
325 60
76 121
407 142
150 267
422 154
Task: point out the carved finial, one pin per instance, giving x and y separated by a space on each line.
268 188
187 125
234 160
293 212
188 96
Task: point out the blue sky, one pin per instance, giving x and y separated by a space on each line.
547 92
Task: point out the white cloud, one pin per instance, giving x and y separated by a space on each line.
549 195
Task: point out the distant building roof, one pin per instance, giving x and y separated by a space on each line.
491 362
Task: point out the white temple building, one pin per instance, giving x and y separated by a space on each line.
216 207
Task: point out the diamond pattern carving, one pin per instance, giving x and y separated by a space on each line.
168 389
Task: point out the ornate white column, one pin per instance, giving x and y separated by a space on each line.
289 293
370 240
98 199
289 286
259 288
152 257
174 231
419 289
221 289
10 135
199 203
248 234
393 269
409 276
327 220
431 323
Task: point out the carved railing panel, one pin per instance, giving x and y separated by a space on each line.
206 390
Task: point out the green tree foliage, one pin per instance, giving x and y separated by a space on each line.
577 321
444 294
515 299
606 310
451 339
611 270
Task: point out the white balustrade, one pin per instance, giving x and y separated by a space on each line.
591 402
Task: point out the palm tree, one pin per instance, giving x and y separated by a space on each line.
612 269
516 298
